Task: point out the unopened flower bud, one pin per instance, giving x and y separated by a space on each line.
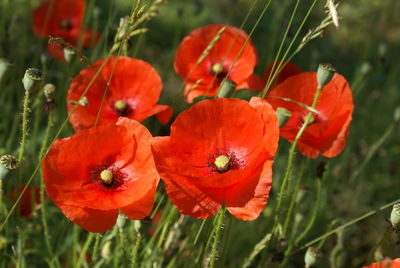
9 161
324 74
49 91
395 216
106 250
32 79
121 220
226 89
69 54
302 193
312 256
396 115
283 116
4 65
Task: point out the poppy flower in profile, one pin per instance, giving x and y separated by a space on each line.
290 69
328 131
99 171
385 264
204 79
30 198
62 18
220 151
133 91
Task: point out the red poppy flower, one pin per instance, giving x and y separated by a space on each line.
62 18
290 69
385 264
96 172
30 197
220 152
133 91
328 131
217 63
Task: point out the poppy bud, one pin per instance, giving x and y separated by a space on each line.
3 173
69 54
9 161
302 193
396 116
121 220
395 216
227 88
49 90
32 79
312 256
105 250
324 74
283 116
4 65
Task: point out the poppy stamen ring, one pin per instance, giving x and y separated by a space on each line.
106 176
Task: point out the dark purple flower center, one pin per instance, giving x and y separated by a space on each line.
122 108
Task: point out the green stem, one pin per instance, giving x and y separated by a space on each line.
24 125
42 193
292 150
314 213
134 259
341 227
82 253
217 233
384 239
96 248
293 200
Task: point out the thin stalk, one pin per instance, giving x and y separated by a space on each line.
217 233
341 227
384 239
82 253
283 61
24 125
293 200
314 213
42 193
292 150
134 255
96 248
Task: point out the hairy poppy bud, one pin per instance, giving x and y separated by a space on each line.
227 88
32 79
312 256
4 65
69 54
395 216
49 90
283 116
9 161
324 74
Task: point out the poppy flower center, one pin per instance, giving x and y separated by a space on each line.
106 176
66 24
222 163
217 69
122 108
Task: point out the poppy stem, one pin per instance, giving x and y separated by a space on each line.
289 168
42 195
135 251
24 125
314 213
217 234
96 247
384 239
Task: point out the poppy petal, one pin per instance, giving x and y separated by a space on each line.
92 220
